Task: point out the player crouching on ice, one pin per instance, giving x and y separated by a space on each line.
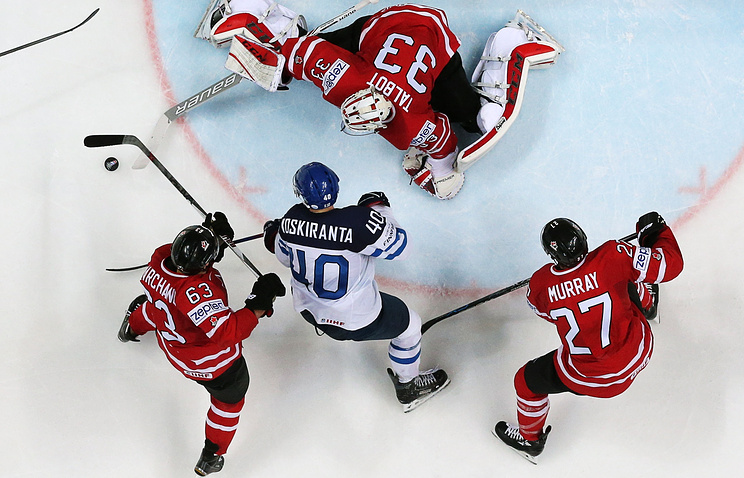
592 298
396 73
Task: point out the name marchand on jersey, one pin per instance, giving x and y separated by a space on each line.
314 230
159 284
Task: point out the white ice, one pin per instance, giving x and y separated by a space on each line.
660 80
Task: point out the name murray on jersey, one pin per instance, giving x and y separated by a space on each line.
314 230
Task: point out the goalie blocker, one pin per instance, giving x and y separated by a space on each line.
255 61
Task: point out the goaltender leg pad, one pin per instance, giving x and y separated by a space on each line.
522 58
256 62
260 20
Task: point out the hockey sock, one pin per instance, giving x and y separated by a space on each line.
532 408
222 422
139 324
405 350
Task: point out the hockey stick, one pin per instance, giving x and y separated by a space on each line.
428 324
36 42
134 268
161 127
158 133
346 14
100 140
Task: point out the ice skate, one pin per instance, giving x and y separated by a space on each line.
216 10
420 389
209 463
418 168
125 332
529 450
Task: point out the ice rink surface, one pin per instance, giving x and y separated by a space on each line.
642 112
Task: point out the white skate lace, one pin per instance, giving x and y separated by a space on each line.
425 379
513 433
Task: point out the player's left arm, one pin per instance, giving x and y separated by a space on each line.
387 240
658 258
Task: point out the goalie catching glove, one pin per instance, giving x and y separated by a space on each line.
265 291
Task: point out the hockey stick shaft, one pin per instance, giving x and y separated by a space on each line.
346 14
134 268
36 42
428 324
176 111
97 141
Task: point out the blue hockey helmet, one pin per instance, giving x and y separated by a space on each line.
317 185
565 242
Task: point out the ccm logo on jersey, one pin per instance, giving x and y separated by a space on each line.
642 258
333 75
205 309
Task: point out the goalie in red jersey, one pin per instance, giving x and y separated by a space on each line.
600 304
396 73
185 305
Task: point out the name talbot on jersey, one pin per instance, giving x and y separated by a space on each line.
315 230
573 287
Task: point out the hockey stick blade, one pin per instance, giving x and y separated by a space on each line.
101 140
95 141
36 42
428 324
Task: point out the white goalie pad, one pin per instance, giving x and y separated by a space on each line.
500 77
260 20
256 62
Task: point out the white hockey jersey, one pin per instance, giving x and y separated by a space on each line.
330 255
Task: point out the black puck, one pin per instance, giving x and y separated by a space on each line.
111 164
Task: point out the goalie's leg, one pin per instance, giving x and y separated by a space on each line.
260 20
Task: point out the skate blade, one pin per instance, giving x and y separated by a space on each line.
205 18
527 20
523 454
407 407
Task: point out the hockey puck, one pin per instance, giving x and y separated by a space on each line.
111 164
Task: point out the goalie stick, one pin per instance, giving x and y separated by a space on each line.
134 268
176 111
100 140
36 42
161 127
428 324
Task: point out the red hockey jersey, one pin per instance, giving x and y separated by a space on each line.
196 329
605 339
402 51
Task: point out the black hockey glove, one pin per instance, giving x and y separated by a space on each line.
648 228
265 290
217 222
373 199
271 228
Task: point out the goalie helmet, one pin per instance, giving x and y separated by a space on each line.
365 111
317 185
194 249
565 242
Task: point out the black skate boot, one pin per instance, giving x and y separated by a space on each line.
529 450
652 312
209 462
420 389
125 332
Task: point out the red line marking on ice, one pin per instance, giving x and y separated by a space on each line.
191 137
700 188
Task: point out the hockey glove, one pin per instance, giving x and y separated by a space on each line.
271 228
648 228
265 291
373 199
217 222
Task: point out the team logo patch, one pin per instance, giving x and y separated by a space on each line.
334 74
642 259
205 310
424 133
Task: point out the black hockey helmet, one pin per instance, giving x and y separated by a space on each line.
565 242
194 249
